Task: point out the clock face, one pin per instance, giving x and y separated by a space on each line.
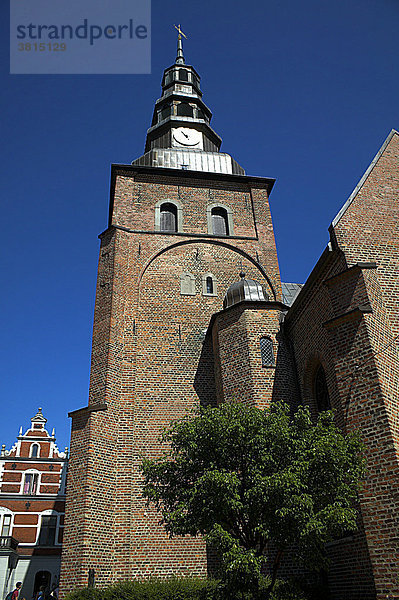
185 136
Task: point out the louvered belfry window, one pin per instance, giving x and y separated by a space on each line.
185 110
165 112
168 220
220 224
321 390
266 352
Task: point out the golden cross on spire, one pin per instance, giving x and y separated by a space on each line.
180 31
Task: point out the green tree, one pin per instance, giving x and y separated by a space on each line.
244 478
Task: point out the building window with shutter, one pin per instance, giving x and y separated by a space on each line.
267 352
220 220
168 216
48 530
209 285
220 224
321 390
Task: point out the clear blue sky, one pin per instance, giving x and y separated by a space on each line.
305 92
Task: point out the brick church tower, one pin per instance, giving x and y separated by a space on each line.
184 222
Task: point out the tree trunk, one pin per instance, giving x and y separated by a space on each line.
276 565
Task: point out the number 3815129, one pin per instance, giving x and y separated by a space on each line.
42 47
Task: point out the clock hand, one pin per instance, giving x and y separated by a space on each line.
185 134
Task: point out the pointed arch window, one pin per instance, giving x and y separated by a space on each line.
321 390
266 351
168 221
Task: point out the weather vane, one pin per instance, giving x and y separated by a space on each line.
180 31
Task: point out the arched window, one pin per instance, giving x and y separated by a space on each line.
34 450
183 75
266 352
220 219
209 285
168 220
321 390
187 284
220 222
168 216
184 110
31 483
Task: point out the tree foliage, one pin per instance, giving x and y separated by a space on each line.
244 478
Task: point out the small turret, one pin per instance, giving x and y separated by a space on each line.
38 421
245 289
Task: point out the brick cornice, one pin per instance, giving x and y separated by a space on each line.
352 315
354 269
177 234
87 409
249 304
183 174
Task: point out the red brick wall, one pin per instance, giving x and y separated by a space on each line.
368 231
346 318
241 377
151 364
316 344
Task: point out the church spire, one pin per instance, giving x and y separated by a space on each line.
181 135
180 57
